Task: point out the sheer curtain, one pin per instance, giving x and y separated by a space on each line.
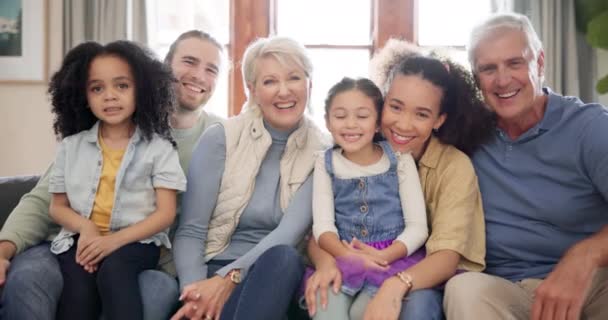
570 63
103 21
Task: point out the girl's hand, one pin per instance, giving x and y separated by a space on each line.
320 281
369 261
87 232
386 304
205 299
365 248
97 249
90 268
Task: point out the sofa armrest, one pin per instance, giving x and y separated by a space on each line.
11 191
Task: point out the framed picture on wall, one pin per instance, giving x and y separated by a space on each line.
23 40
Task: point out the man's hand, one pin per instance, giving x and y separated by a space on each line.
7 252
205 299
4 265
562 294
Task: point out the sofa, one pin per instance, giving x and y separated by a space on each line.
11 190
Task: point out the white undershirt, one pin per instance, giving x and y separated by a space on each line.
412 200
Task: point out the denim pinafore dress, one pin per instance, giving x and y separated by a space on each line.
369 209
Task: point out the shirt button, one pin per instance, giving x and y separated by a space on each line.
364 232
92 190
361 184
363 208
99 163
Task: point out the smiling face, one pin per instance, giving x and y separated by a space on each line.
352 121
111 90
281 91
411 112
195 65
509 76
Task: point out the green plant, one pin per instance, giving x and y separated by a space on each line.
592 20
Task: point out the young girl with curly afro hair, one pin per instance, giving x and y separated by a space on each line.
115 176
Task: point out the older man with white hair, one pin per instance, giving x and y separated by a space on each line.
544 184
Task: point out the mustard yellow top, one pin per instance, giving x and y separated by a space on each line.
453 203
104 199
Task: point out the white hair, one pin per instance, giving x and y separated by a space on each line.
285 50
500 22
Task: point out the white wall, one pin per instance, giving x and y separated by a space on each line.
602 70
27 142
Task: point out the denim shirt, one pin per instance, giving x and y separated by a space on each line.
368 208
146 165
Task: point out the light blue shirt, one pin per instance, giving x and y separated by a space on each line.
146 165
546 190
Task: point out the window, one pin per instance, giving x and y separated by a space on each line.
339 44
340 34
168 19
461 16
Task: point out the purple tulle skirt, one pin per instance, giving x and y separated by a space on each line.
355 276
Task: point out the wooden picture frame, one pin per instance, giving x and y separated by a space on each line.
24 60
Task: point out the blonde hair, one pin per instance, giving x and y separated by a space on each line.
285 50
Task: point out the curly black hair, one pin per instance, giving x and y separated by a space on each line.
468 123
154 91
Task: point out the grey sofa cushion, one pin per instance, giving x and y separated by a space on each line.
11 190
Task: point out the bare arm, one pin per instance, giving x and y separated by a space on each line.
63 214
571 278
330 242
565 289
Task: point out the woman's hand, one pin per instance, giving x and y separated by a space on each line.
320 281
205 299
386 304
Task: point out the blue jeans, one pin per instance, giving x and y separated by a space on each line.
34 284
424 304
268 288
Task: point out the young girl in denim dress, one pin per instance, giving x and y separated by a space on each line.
115 176
364 195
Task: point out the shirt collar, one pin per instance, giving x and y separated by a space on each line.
553 111
552 115
432 154
92 134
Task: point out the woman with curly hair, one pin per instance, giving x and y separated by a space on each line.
433 110
115 176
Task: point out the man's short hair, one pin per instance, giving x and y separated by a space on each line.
502 21
199 34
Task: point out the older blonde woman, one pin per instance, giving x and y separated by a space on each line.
249 194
